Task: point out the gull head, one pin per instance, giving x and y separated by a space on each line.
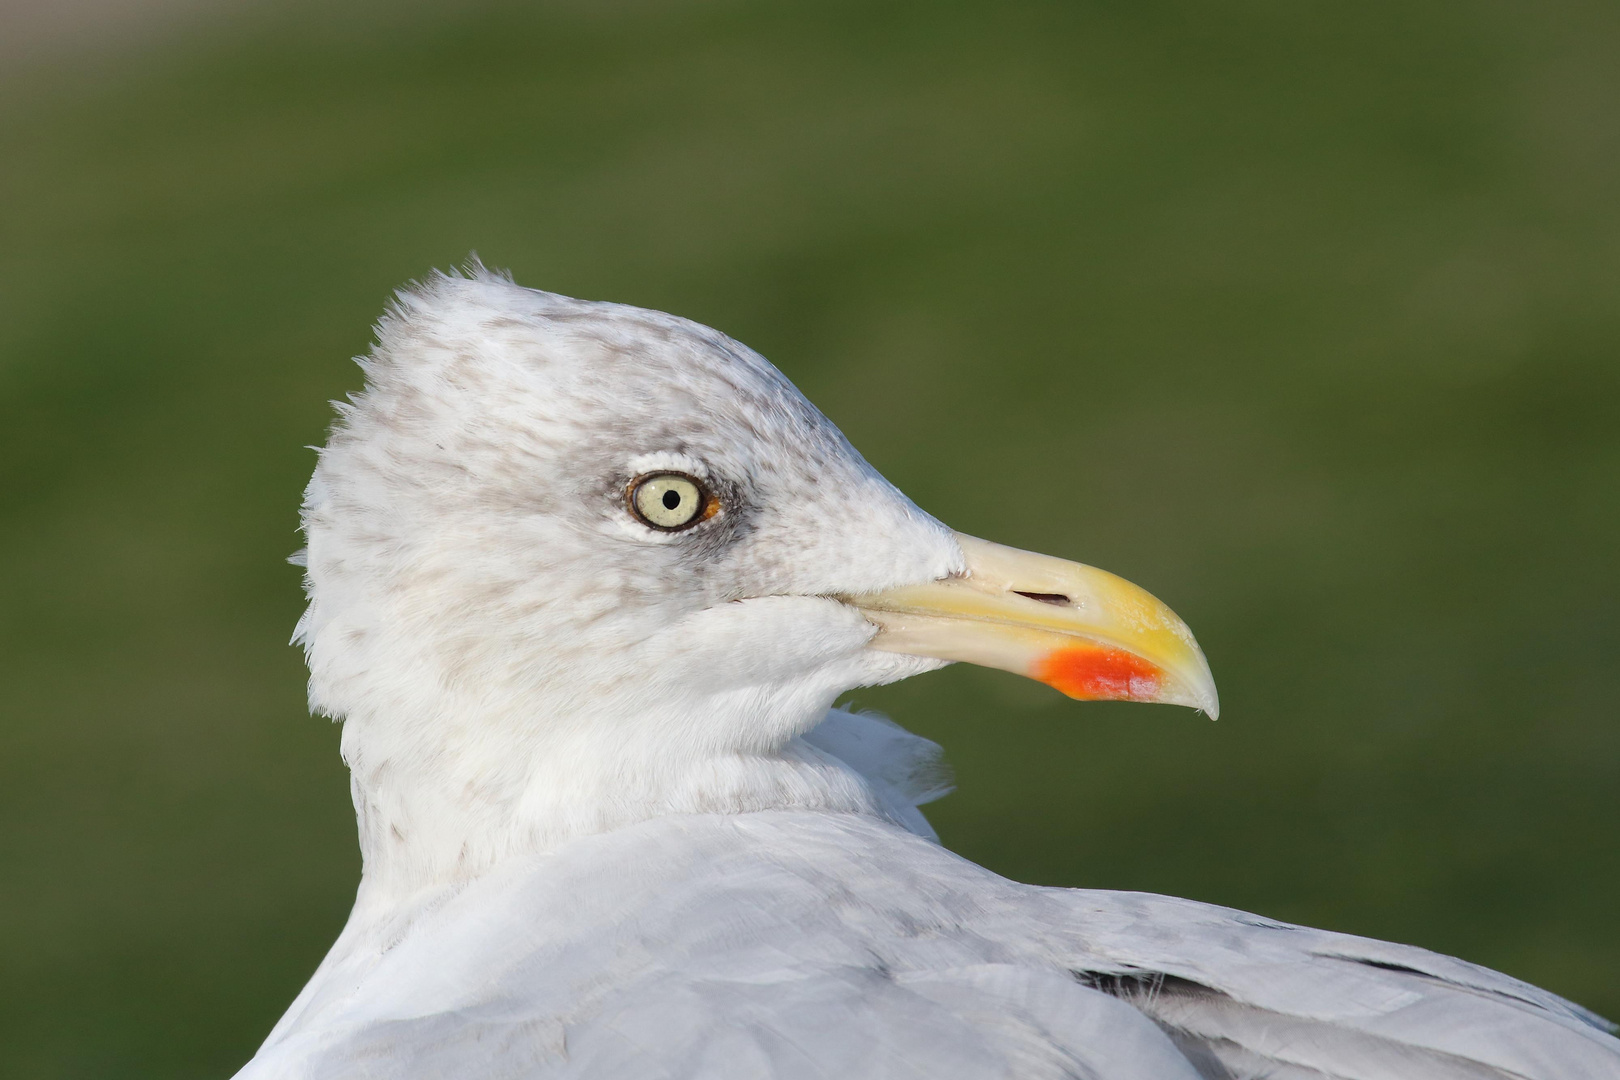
572 564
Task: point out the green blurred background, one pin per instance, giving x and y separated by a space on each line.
1304 316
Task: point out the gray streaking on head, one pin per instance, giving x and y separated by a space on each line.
584 582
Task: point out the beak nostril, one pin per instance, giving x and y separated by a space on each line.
1055 598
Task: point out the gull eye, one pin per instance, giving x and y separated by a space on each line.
670 500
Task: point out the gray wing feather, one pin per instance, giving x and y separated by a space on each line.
902 770
814 945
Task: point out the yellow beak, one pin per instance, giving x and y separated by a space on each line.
1088 633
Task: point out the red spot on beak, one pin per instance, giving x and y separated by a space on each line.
1098 673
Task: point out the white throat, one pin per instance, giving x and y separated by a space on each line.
450 806
439 814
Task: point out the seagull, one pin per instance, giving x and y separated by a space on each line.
585 582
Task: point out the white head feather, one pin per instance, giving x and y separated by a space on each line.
516 658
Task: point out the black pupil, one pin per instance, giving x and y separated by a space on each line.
672 499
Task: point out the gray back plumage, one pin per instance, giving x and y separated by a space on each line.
785 944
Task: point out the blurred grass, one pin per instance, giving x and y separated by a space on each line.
1302 316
